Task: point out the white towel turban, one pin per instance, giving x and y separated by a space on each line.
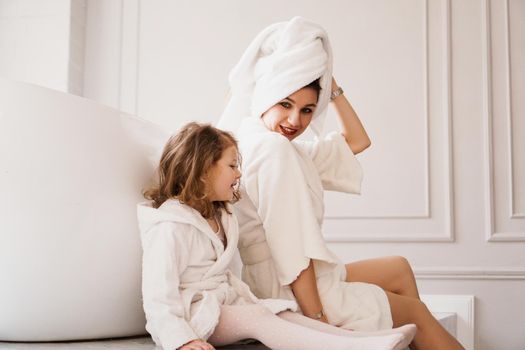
282 59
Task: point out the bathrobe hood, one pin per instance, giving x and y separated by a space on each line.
149 216
174 211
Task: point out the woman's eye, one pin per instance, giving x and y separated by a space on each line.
307 110
285 104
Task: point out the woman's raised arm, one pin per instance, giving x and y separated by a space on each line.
353 131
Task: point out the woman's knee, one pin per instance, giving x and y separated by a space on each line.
404 270
402 264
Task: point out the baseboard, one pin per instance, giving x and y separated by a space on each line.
463 307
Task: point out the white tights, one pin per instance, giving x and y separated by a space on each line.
290 331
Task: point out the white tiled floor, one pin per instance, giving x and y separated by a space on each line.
448 320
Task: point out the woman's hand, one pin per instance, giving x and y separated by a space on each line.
197 344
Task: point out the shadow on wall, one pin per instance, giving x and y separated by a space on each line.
71 173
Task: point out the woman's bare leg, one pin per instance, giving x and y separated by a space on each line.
393 274
430 334
396 277
256 322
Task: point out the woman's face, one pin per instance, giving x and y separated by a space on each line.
291 116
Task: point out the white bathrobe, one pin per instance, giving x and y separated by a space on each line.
185 276
281 215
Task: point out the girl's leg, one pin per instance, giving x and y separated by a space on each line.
430 334
256 322
408 331
393 274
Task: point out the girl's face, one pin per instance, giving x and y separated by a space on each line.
291 116
224 175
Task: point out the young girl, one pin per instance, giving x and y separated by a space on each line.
189 236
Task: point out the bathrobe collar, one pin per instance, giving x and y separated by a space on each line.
252 125
174 211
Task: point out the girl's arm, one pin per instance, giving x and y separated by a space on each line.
353 131
305 290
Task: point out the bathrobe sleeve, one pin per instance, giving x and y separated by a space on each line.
337 165
166 254
276 185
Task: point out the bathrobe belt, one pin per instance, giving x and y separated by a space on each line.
255 253
210 283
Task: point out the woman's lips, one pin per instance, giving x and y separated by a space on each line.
287 131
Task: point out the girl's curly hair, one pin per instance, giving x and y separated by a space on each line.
184 165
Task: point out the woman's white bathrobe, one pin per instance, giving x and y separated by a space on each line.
281 215
185 276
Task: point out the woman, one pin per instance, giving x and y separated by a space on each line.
281 86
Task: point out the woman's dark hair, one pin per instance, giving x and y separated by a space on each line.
315 85
184 166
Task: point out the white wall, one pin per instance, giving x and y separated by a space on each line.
439 85
42 42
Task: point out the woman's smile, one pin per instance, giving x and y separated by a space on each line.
288 131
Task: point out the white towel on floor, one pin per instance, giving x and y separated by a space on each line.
281 59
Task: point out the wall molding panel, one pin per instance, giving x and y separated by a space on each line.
469 273
503 223
436 223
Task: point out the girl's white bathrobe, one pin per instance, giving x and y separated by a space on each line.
185 276
281 214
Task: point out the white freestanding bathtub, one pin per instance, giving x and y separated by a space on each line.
71 173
